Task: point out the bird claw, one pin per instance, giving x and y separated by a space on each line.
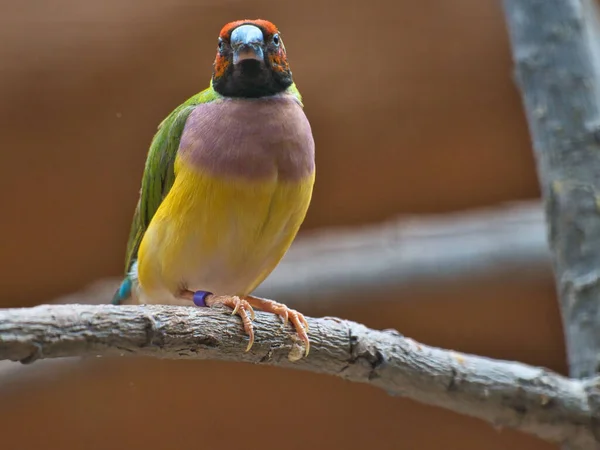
301 325
240 307
287 314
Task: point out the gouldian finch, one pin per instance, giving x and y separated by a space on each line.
227 183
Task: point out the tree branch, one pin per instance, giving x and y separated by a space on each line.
533 400
555 49
329 265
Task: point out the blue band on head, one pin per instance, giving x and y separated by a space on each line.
200 297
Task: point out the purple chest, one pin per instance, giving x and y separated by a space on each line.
250 138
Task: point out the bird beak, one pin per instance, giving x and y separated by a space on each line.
247 43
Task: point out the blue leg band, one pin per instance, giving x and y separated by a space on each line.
200 297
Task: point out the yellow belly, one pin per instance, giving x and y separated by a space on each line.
219 235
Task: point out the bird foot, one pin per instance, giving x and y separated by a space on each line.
287 314
244 308
239 306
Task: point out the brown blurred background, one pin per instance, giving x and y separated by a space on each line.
413 110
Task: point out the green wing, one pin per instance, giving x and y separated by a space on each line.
159 173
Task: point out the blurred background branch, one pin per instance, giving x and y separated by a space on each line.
333 265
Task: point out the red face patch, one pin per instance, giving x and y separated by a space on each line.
221 64
278 60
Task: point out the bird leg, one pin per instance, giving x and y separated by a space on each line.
239 306
296 318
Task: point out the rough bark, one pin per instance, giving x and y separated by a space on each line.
554 49
531 399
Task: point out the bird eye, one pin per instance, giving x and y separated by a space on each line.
221 44
276 39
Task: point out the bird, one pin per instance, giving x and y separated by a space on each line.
226 186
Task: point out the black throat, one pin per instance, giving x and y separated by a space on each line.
251 79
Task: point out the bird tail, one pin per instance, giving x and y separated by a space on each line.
123 293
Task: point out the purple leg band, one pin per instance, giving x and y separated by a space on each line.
200 297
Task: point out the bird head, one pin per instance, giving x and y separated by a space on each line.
251 60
